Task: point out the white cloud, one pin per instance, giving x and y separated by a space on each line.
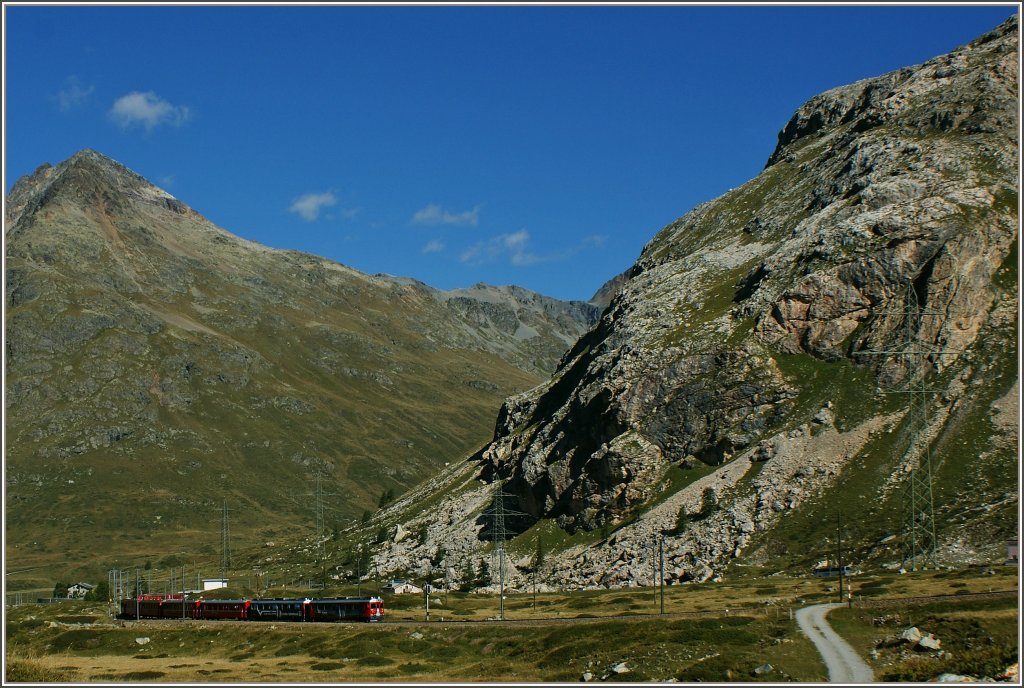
434 246
512 247
147 110
434 214
73 94
515 248
309 205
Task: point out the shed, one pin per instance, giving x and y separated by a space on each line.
399 587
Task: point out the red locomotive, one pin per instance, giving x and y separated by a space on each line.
345 609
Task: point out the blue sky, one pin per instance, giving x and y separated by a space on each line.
541 146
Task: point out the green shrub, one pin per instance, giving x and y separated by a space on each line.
374 660
327 666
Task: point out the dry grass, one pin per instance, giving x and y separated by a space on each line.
710 647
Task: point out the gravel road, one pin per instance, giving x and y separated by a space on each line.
844 665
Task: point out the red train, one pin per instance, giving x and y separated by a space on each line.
276 609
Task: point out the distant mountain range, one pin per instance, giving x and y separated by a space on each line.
159 367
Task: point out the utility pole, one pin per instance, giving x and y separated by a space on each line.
534 589
359 575
654 570
321 526
839 533
661 558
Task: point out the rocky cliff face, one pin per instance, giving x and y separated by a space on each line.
736 376
604 295
157 365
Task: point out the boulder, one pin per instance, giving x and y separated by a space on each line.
912 635
1012 673
617 668
824 417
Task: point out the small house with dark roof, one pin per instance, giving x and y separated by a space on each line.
79 590
399 587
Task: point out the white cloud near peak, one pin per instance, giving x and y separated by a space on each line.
433 214
308 206
73 94
147 110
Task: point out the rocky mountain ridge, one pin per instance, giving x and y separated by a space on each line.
158 365
741 389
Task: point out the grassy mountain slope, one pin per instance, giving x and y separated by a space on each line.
157 365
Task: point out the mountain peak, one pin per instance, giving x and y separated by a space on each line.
102 167
90 154
83 178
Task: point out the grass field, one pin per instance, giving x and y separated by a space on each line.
711 648
978 638
696 640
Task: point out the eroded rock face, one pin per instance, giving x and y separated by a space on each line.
892 193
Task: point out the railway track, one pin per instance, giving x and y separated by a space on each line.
778 611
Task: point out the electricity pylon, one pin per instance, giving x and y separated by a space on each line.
917 508
499 533
225 543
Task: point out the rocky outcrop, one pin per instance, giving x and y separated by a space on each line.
602 298
864 197
884 224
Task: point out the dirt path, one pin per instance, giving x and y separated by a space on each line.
844 665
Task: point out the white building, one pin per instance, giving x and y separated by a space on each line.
214 583
80 589
399 587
